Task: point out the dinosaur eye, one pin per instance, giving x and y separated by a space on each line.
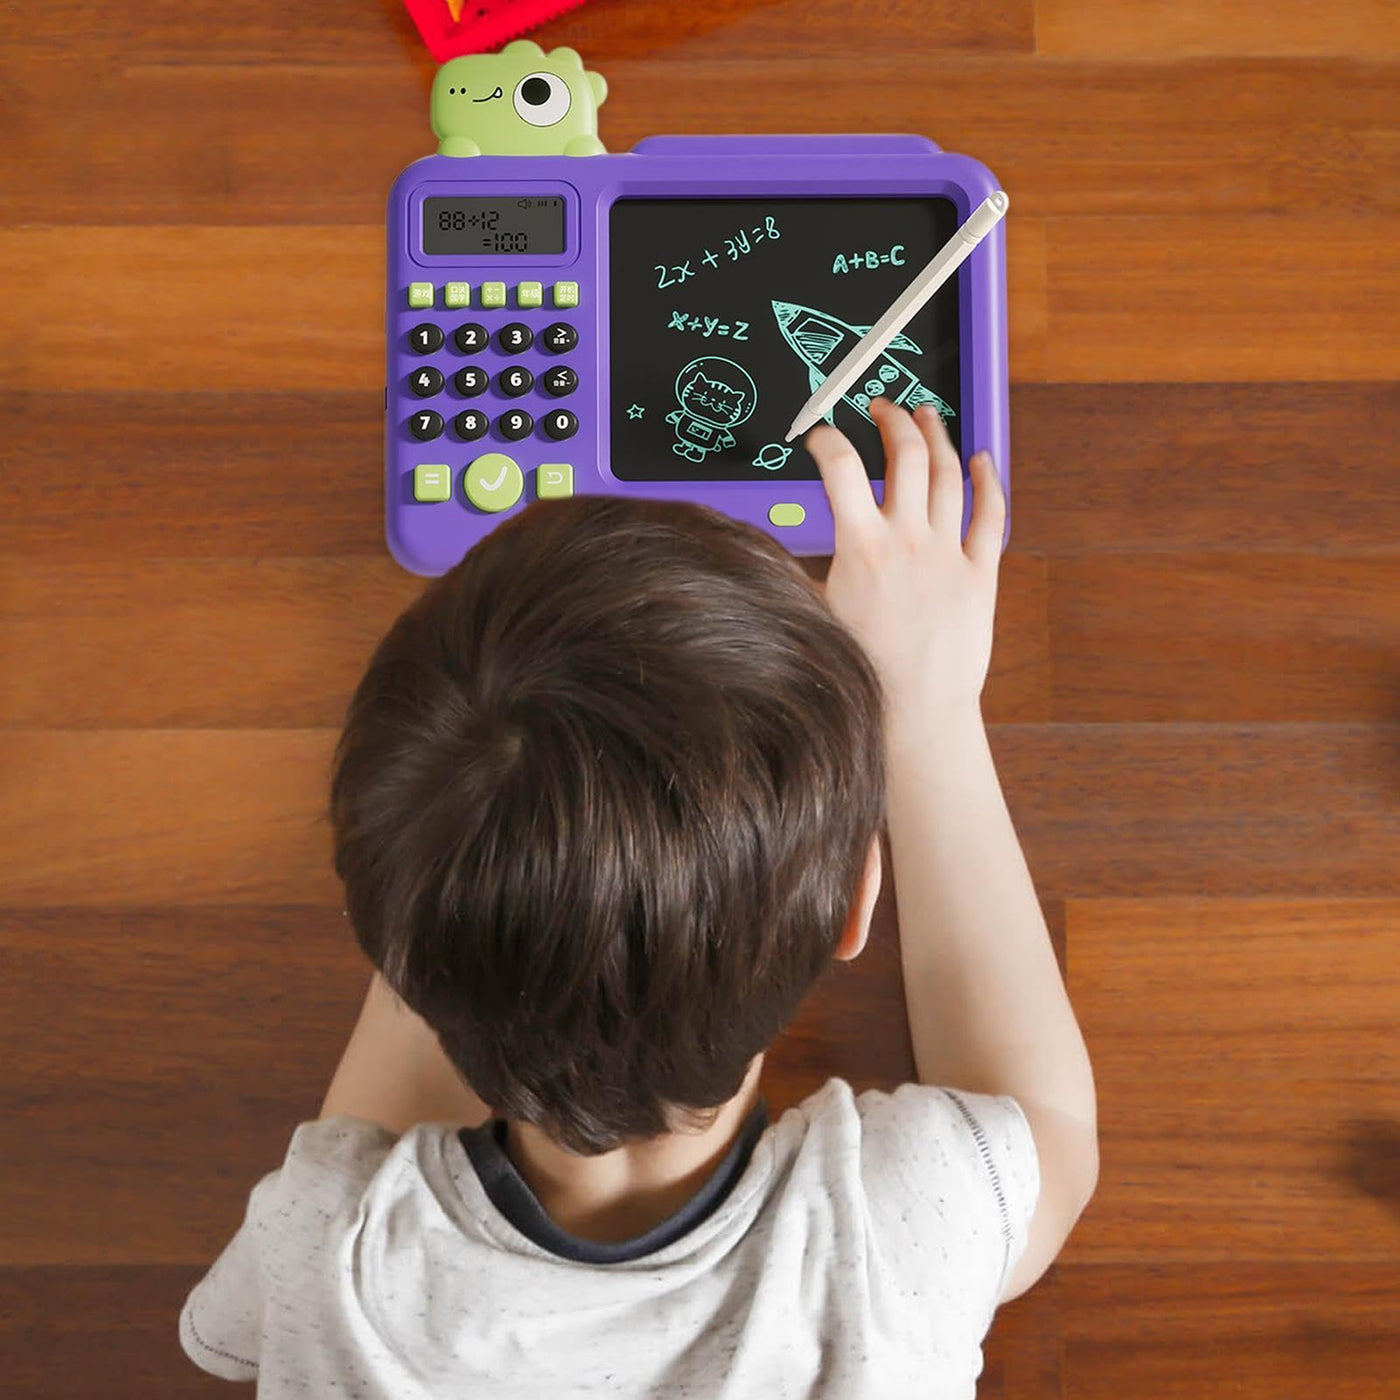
542 99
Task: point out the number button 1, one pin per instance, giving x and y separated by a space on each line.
425 338
425 426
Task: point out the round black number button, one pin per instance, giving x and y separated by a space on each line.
559 337
426 382
425 425
515 425
425 338
471 381
560 424
560 381
470 424
515 381
471 337
515 337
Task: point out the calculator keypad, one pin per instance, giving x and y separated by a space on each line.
501 390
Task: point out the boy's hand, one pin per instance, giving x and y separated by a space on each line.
919 601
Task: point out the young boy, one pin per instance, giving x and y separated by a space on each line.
607 802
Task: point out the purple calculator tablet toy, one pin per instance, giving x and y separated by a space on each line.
649 323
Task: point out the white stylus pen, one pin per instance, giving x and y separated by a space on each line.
936 272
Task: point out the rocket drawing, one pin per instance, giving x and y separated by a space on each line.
818 338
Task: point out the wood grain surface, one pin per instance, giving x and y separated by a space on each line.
1194 701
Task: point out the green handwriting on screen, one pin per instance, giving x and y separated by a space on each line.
708 325
735 246
870 260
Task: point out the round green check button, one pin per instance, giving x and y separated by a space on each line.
493 482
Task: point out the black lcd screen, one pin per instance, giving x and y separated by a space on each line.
724 314
475 226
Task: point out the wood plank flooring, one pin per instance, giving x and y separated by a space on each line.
1195 696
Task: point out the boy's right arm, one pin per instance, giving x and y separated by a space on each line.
988 1010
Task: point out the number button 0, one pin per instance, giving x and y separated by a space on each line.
471 381
470 337
515 425
560 381
515 337
425 426
515 381
426 382
425 338
559 337
560 424
470 424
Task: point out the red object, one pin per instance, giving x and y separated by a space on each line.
478 25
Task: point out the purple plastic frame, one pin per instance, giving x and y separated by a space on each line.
429 538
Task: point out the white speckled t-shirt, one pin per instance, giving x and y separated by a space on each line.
856 1248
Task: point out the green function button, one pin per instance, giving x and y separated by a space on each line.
566 294
493 293
787 513
554 480
457 295
420 294
432 483
529 294
493 482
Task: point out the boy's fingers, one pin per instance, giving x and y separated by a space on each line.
843 476
945 507
988 524
906 462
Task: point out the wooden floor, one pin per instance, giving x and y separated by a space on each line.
1196 690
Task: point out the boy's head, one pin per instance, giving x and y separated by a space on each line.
601 807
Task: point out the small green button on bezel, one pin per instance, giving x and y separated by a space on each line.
786 513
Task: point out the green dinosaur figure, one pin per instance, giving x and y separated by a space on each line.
518 102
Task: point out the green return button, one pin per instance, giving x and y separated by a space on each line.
786 513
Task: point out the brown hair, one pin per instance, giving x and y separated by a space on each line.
601 806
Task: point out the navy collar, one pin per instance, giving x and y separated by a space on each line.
509 1192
